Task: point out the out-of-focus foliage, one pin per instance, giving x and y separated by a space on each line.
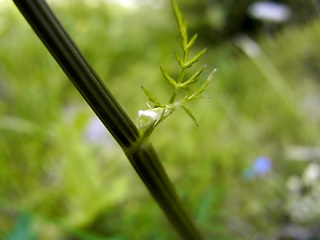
63 177
221 20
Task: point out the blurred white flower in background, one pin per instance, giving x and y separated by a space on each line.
311 174
269 11
304 195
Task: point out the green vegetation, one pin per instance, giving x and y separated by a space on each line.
149 119
61 180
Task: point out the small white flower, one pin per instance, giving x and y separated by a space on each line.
147 118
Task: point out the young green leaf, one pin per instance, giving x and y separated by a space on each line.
195 76
192 41
186 85
205 85
201 97
182 24
195 95
195 59
190 115
151 97
168 77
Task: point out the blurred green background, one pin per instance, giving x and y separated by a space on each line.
250 171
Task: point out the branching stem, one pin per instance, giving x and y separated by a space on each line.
140 153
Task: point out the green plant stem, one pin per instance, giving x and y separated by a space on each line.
141 154
183 70
174 96
180 79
